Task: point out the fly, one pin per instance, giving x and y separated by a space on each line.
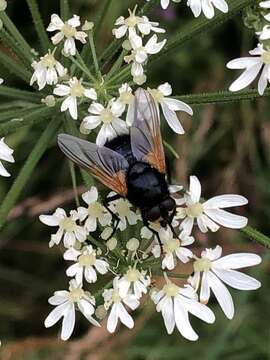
132 165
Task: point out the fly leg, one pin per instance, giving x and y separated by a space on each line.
169 219
116 218
146 224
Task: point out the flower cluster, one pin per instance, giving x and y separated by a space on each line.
136 28
207 7
90 235
259 61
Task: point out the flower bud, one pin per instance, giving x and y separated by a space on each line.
3 5
126 45
133 244
139 80
111 244
49 101
101 312
83 129
88 25
106 233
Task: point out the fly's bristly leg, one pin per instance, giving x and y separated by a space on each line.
116 218
146 224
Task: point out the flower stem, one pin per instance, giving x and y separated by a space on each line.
17 94
64 9
94 54
40 29
11 43
222 97
26 172
256 235
79 63
14 67
17 35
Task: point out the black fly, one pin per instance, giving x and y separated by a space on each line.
131 165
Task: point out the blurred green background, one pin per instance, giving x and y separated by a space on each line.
226 146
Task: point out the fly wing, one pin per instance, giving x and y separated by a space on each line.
106 165
146 141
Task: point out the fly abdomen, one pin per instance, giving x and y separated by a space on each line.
147 187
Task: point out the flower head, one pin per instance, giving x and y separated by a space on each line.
207 7
209 213
175 304
69 229
65 302
47 70
6 155
109 119
169 106
135 23
87 264
212 270
95 212
72 92
126 99
259 62
134 282
114 299
68 31
123 209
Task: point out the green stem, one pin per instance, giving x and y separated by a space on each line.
40 29
36 116
16 113
117 65
222 97
171 149
256 235
64 9
11 43
101 14
199 26
21 181
12 93
94 54
83 68
14 67
17 35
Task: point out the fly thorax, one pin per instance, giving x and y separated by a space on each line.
69 31
170 289
133 275
203 264
95 210
106 116
171 245
68 224
76 89
194 210
265 57
87 259
48 61
75 295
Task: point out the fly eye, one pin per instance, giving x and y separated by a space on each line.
153 214
168 204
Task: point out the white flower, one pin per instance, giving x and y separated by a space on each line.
109 117
123 209
113 299
95 213
1 81
209 213
134 282
175 304
253 66
47 70
139 54
165 3
174 248
169 106
265 5
211 270
87 265
6 155
66 303
207 7
265 33
132 23
68 227
126 99
72 92
68 31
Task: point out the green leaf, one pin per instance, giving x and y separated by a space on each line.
256 235
12 93
27 170
14 67
40 29
222 97
38 115
12 44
